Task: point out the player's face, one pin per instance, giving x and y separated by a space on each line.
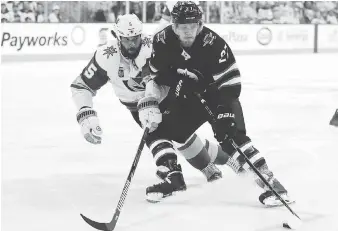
187 33
131 44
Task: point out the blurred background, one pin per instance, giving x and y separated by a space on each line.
265 12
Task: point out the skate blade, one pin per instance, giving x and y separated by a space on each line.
280 204
214 179
154 197
158 197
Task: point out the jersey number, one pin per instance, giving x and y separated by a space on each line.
224 55
91 69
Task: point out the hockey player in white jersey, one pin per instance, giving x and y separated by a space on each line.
124 63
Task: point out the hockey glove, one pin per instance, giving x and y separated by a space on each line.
225 126
188 82
90 128
149 113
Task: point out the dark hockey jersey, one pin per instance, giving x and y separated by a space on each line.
209 54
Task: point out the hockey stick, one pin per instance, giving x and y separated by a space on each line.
111 225
213 120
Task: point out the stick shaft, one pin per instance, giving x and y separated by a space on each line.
213 120
111 225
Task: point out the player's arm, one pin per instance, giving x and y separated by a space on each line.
157 91
148 107
159 64
227 85
225 73
84 88
91 79
156 88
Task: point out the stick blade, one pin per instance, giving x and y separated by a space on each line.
334 120
98 225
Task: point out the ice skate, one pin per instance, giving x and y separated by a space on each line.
173 182
212 173
269 199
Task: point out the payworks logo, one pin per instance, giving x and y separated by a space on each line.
19 42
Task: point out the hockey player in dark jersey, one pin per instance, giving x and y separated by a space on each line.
190 58
124 62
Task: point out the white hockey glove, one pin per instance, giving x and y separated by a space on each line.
149 113
90 128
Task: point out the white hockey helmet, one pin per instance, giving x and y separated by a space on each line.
128 25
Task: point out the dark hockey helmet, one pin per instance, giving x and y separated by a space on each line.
186 12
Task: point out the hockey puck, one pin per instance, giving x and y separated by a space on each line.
292 222
285 225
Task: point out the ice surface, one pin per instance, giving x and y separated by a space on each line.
50 174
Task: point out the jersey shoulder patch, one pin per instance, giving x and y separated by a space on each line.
163 35
209 39
109 50
160 37
107 53
216 44
147 41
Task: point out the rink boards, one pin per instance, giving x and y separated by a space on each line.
78 41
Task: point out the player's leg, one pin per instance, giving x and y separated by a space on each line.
215 152
165 157
190 118
247 147
217 155
197 154
202 156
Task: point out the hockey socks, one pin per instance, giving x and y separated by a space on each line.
197 155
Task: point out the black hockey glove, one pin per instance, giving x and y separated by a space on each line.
225 126
188 82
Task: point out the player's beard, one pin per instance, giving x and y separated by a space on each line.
131 53
188 41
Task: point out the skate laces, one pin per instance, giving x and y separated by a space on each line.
233 164
166 181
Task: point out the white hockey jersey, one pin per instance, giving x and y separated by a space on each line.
128 77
